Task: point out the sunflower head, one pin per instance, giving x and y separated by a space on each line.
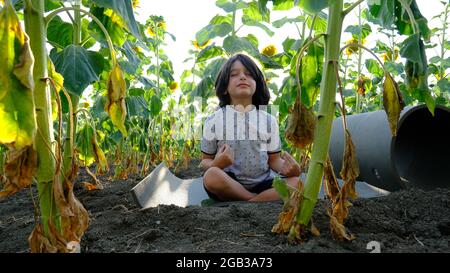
155 25
161 25
363 84
269 50
173 86
151 32
201 46
353 49
135 3
137 49
388 55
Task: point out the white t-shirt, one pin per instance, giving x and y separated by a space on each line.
252 136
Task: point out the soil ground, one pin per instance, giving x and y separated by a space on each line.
412 220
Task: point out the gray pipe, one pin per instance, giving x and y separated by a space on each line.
419 156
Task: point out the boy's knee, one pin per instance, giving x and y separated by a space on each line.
210 178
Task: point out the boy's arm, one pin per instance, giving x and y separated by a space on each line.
284 165
207 161
276 162
222 159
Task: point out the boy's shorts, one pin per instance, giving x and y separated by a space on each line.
260 187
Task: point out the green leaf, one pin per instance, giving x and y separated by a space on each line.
125 10
86 36
444 85
220 19
311 76
209 52
98 109
203 89
250 22
320 26
281 187
137 106
136 92
413 50
283 4
231 6
131 55
234 44
59 33
115 31
404 24
78 66
423 95
155 105
253 12
374 68
213 31
51 5
355 30
435 59
382 12
84 145
394 68
285 20
314 6
262 7
447 44
446 63
252 38
213 68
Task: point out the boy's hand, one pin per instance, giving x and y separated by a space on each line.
290 167
224 157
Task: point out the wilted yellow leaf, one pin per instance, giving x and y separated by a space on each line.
115 18
17 113
392 102
58 79
115 105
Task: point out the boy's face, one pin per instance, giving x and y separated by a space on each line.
241 84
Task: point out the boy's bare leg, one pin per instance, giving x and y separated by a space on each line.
224 187
272 194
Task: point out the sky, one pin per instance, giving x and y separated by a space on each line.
185 18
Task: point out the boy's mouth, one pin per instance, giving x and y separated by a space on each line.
243 85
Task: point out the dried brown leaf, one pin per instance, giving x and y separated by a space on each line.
19 170
60 197
314 230
80 219
331 185
39 243
89 186
339 231
301 125
350 166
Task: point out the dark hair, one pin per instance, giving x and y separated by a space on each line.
261 96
